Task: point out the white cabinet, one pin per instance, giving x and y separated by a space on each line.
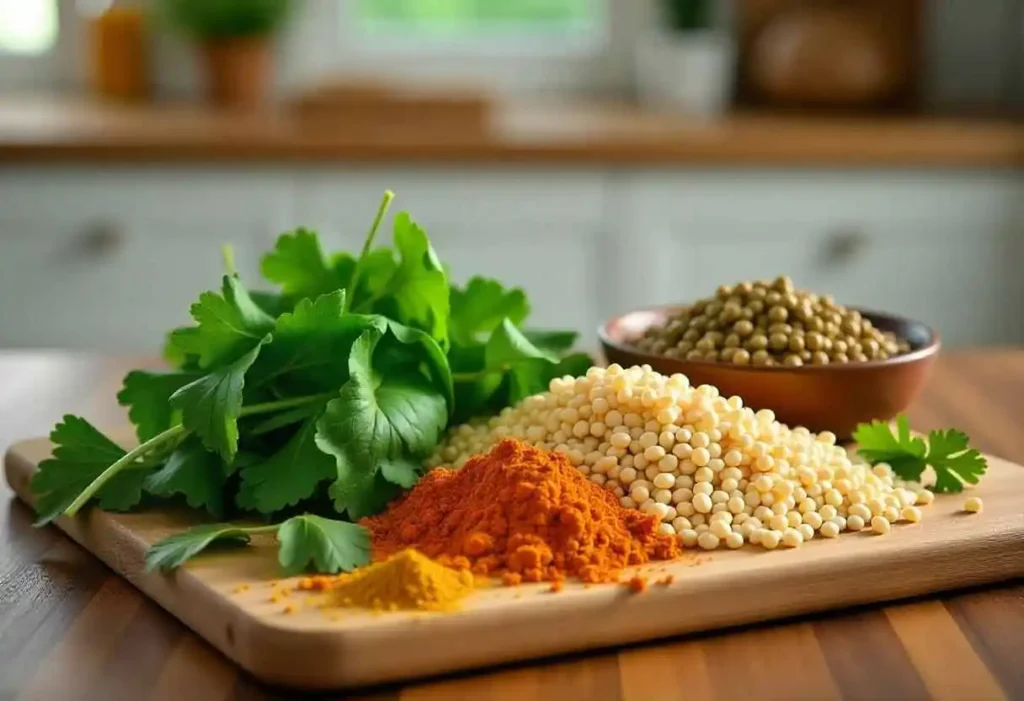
540 230
111 260
944 249
108 259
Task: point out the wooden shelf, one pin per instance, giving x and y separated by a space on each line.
560 135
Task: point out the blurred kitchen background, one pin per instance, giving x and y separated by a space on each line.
602 154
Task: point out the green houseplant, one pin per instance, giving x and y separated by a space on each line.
689 15
235 39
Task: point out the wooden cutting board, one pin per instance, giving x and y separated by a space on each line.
314 648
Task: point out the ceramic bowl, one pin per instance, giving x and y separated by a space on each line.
821 397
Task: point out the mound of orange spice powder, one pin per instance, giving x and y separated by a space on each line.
523 513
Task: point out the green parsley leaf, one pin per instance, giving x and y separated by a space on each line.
229 325
175 356
210 406
80 454
417 293
175 550
903 452
378 423
377 269
366 495
289 476
272 304
194 473
947 452
415 349
552 341
508 346
329 546
477 310
147 396
954 461
298 265
310 345
505 370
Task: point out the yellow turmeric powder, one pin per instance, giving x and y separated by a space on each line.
405 581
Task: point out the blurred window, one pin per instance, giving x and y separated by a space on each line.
523 25
28 27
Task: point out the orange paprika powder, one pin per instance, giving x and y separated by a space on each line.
523 513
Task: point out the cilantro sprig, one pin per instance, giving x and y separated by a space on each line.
946 451
311 406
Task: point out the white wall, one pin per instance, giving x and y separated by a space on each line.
974 53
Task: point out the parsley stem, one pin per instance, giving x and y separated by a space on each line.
281 404
272 528
228 253
128 460
474 376
367 245
130 457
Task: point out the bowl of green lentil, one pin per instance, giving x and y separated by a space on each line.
814 362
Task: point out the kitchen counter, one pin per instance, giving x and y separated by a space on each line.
73 629
63 131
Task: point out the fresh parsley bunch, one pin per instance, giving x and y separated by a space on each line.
298 412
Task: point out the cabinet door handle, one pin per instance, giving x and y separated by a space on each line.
844 246
99 240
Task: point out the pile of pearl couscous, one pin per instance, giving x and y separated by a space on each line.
714 472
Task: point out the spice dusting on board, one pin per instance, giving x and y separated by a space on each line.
404 582
637 584
524 513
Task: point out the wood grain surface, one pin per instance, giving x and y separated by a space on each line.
71 629
61 131
308 648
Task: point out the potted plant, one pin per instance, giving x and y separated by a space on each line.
235 38
687 65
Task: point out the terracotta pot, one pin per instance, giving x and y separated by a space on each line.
238 71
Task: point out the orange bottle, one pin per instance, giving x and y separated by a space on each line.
119 53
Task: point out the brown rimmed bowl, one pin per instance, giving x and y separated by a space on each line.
820 397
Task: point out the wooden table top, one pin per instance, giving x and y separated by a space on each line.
554 134
70 629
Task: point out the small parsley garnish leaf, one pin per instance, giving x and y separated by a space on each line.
903 452
947 452
953 460
329 546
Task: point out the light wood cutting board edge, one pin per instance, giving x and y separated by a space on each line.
736 588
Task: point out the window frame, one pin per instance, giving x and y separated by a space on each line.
319 44
512 45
